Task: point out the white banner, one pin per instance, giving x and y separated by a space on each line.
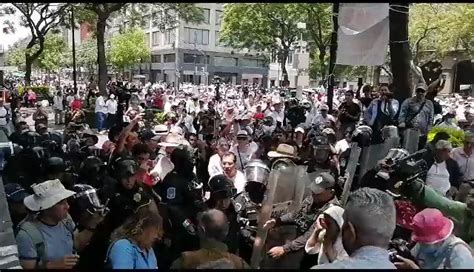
363 33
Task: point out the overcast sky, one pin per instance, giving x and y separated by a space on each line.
20 32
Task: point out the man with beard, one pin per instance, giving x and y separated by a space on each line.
322 197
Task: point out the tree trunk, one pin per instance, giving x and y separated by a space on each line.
284 58
101 61
400 52
322 56
29 59
376 78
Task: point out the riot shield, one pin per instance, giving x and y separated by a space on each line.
350 171
411 137
372 154
285 192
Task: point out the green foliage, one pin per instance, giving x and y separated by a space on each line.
86 53
39 90
128 49
54 53
435 29
16 57
456 136
160 117
261 26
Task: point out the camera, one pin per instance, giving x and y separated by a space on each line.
401 248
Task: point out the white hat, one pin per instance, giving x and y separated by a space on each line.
283 151
160 130
172 140
46 195
299 129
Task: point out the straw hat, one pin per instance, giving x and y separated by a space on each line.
283 151
46 195
172 140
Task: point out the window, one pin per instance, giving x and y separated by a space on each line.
198 36
156 38
218 36
154 20
223 61
145 23
252 63
206 13
189 58
147 39
169 58
218 17
169 36
155 58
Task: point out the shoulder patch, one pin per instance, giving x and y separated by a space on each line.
171 193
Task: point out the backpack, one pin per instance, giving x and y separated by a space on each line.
37 238
449 251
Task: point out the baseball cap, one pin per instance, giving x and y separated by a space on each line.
148 135
242 134
299 129
443 144
15 193
421 87
322 182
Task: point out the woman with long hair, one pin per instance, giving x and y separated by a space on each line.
132 242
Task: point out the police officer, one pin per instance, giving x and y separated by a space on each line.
177 192
322 197
284 156
91 172
222 191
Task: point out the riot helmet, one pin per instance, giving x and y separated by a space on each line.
30 139
362 135
221 187
89 171
124 168
55 165
321 148
85 200
257 174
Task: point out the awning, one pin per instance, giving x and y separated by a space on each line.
251 76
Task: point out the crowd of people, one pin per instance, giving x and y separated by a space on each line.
182 193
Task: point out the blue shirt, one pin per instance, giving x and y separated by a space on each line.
368 257
460 256
58 241
125 254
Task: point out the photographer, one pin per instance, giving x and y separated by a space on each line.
349 113
436 245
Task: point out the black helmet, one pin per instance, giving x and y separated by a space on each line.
85 200
30 139
124 168
221 187
55 165
362 135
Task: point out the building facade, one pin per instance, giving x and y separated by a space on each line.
193 53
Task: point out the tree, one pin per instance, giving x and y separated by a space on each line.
128 49
15 56
52 57
86 55
319 29
99 14
435 29
40 18
271 27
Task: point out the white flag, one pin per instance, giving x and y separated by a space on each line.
363 33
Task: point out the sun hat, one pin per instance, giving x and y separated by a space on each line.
46 195
283 151
160 130
430 226
15 193
172 140
322 182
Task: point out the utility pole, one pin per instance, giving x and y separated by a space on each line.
332 54
74 78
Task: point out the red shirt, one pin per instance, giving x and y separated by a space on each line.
405 213
76 104
259 115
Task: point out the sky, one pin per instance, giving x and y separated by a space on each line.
8 40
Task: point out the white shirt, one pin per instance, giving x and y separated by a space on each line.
243 157
240 180
438 178
3 116
466 163
215 166
58 103
100 105
341 146
111 106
